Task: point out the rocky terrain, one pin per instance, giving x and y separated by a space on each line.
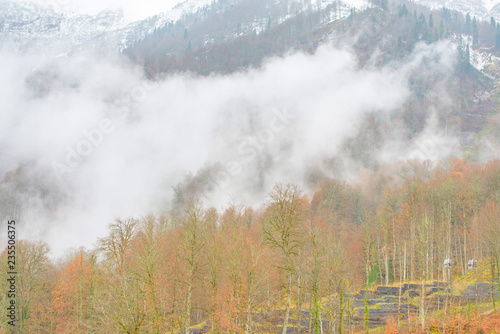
376 307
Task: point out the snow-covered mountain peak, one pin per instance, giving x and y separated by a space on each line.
29 26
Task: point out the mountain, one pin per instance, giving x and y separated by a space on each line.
449 76
483 9
31 27
225 36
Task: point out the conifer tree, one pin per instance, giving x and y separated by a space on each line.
468 27
403 11
475 34
384 5
497 37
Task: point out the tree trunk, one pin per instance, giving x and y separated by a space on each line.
399 297
288 303
187 314
341 311
386 270
404 264
422 305
249 315
394 245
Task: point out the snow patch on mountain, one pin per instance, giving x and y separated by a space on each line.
29 26
489 4
483 9
480 58
180 10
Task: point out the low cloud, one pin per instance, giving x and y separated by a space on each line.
84 140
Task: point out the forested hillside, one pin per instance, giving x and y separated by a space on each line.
295 261
251 166
211 43
463 93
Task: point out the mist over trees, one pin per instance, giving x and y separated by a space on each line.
294 257
392 132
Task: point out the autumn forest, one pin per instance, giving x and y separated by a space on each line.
294 260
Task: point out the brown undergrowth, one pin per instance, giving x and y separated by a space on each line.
486 323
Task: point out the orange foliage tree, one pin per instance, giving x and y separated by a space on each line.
72 297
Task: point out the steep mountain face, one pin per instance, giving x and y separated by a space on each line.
484 9
225 36
269 28
205 36
31 27
189 25
449 97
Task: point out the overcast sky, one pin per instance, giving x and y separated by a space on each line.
133 9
